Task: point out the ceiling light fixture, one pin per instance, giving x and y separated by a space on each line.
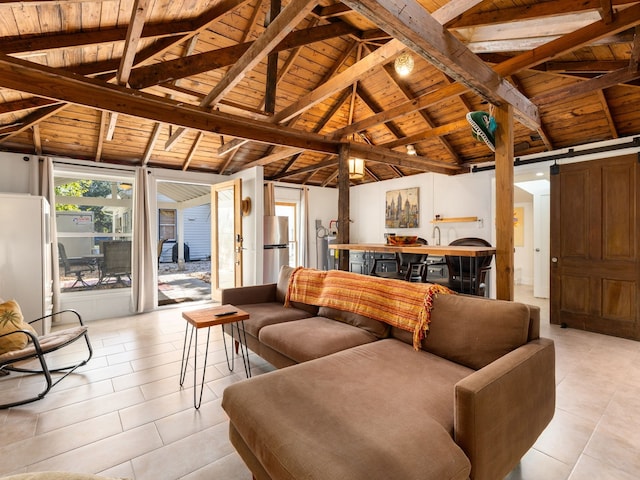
356 168
403 64
411 150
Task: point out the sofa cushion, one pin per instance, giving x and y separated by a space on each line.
474 331
262 314
379 329
283 285
349 415
304 340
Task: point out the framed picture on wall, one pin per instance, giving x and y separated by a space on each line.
402 209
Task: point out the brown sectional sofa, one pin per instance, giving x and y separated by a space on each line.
356 401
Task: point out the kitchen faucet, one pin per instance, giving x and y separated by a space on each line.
433 234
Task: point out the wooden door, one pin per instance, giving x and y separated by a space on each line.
226 237
595 235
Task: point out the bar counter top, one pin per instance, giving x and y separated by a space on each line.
461 251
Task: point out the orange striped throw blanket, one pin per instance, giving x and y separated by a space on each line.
399 303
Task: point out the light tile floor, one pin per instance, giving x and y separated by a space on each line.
124 415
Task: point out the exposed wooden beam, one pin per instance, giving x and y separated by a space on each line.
409 95
162 45
607 113
21 105
192 150
432 133
169 70
410 23
37 140
81 38
272 65
634 60
342 80
570 42
606 11
31 119
584 87
289 18
151 143
592 66
104 119
544 136
40 80
525 12
134 33
507 67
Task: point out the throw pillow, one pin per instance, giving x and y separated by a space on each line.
11 319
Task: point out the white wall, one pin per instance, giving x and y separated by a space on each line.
18 175
323 206
447 196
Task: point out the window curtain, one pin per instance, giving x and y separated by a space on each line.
269 199
304 227
144 258
47 190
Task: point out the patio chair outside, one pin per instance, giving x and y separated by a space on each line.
116 261
77 266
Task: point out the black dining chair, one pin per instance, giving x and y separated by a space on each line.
468 274
411 267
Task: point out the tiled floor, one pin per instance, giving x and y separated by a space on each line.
126 416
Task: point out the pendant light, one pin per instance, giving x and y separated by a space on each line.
403 64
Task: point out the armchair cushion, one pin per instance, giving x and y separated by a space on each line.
11 320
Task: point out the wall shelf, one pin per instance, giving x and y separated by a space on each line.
455 220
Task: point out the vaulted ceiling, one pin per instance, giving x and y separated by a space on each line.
224 85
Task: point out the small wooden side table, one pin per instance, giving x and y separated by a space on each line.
207 318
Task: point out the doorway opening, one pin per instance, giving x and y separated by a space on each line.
184 242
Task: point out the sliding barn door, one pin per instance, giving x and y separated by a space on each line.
595 235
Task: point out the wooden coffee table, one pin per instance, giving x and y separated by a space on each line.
207 318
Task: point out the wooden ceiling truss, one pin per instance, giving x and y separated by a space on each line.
234 84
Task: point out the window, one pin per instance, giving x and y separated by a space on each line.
167 223
95 226
289 210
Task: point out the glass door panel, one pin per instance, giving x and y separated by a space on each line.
226 237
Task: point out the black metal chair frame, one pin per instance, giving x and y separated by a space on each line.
411 267
75 265
38 348
468 274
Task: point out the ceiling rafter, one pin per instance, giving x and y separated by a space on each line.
132 40
423 33
409 95
541 130
525 60
237 142
251 26
329 74
289 18
526 12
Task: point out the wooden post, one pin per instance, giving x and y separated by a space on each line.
343 204
504 202
272 65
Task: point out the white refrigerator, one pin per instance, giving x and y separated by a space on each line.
25 255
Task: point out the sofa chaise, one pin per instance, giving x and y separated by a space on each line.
357 400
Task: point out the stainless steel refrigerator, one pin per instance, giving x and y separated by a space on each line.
276 246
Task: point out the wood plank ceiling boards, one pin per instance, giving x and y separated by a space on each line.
184 85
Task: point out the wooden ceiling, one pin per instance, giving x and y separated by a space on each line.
224 85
